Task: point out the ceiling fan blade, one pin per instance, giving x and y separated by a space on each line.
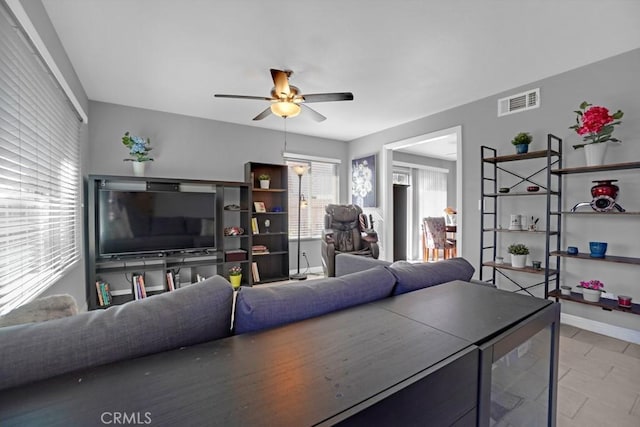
264 114
314 114
261 98
328 97
281 82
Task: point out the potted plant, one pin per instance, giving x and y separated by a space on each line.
522 141
235 276
595 125
591 290
519 254
264 180
139 151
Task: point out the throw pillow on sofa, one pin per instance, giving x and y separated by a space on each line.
186 316
265 307
414 276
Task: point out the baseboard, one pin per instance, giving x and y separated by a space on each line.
601 328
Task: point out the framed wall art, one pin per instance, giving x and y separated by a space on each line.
363 181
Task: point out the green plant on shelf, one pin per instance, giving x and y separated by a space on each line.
518 249
522 138
264 177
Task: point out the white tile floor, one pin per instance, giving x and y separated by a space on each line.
598 380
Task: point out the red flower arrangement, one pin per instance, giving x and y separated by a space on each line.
595 124
596 285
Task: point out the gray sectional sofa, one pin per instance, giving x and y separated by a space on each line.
203 312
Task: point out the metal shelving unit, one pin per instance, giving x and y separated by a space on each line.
492 169
605 304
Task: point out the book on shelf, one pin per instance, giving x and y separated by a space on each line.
106 293
259 249
143 289
103 293
99 291
170 283
254 225
137 283
254 272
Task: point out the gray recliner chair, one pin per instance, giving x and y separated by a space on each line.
346 230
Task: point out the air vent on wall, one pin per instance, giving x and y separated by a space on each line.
519 102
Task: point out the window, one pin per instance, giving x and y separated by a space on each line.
319 188
39 173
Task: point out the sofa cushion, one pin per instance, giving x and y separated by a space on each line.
414 276
350 263
186 316
265 307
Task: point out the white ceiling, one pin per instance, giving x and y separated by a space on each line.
401 59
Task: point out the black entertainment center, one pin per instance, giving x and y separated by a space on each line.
160 227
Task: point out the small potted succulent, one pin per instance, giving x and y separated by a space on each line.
264 181
522 141
235 276
519 254
591 290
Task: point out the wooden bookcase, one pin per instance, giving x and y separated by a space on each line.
272 265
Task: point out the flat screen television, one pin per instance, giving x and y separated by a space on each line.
147 222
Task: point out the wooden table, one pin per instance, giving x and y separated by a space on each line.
412 359
319 371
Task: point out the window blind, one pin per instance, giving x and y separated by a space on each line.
320 188
39 173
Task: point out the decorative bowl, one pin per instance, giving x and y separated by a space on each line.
504 189
233 231
533 188
624 301
572 250
598 249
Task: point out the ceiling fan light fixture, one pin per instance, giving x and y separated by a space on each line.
285 109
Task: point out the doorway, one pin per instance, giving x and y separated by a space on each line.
445 144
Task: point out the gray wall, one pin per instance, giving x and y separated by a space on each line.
189 147
612 83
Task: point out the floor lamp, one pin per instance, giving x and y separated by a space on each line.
299 170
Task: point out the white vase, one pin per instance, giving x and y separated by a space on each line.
594 153
518 261
591 295
138 168
264 183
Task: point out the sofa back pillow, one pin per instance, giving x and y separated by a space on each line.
349 263
414 276
265 307
186 316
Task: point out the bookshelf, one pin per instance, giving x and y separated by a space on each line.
270 229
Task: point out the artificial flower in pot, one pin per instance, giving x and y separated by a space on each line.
591 290
519 254
139 151
235 276
595 125
522 141
264 180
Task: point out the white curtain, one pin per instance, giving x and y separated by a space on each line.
429 199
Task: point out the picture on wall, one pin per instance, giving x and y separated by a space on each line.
363 181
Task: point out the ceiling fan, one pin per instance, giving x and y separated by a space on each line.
287 100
